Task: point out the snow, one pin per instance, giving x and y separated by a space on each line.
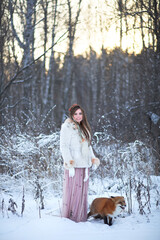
127 162
48 224
50 227
154 117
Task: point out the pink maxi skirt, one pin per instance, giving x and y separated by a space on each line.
75 196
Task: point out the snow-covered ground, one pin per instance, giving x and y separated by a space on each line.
47 224
51 227
126 169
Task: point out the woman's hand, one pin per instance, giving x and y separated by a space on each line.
71 172
71 162
71 168
95 163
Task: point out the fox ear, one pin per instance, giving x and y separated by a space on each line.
112 197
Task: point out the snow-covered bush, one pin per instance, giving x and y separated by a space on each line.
36 159
25 155
30 157
131 163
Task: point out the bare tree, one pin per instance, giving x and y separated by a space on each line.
146 10
50 80
27 43
44 84
120 8
72 25
4 38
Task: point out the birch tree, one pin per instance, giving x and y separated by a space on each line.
44 84
26 41
50 80
4 29
72 26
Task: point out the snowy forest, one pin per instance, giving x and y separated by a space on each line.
54 53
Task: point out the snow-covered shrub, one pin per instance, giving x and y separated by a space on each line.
26 155
136 167
30 157
131 163
12 206
39 193
128 166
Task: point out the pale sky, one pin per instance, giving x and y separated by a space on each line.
95 28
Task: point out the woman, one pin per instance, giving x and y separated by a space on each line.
78 156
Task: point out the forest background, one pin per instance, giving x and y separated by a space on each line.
104 55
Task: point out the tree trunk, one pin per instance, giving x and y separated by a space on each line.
69 60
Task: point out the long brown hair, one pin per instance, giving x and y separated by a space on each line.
84 125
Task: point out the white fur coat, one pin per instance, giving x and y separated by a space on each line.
73 148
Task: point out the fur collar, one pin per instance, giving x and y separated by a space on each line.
71 123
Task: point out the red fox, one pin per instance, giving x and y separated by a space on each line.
107 208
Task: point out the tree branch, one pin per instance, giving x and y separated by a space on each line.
28 65
21 44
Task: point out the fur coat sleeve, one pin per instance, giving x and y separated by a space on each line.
65 138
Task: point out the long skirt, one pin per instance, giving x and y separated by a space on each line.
75 196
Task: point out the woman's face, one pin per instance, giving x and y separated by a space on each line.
78 115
